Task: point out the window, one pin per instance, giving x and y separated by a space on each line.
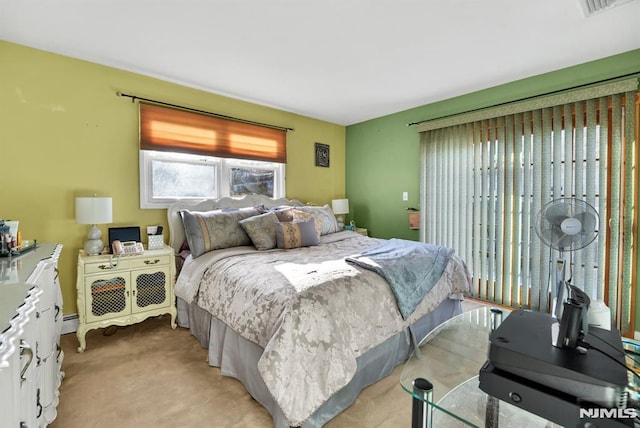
486 179
166 177
249 180
186 155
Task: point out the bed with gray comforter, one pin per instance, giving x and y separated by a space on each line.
305 329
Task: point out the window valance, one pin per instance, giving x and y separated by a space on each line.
170 129
531 104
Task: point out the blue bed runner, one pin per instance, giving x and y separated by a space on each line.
411 269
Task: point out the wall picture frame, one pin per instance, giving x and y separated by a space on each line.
322 155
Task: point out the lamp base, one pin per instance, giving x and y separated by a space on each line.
340 222
94 245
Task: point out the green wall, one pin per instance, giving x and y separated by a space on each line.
64 133
383 157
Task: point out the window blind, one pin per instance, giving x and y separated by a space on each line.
168 129
484 182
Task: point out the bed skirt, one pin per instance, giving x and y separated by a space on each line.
238 357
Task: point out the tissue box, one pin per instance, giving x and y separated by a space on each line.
156 242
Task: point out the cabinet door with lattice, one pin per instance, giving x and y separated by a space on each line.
150 288
108 296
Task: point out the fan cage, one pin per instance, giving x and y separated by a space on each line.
549 224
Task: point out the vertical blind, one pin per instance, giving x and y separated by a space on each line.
485 180
170 129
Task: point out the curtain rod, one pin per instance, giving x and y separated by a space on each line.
221 116
529 98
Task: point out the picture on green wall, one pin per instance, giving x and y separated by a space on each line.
322 155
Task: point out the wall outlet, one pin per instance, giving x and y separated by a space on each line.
405 196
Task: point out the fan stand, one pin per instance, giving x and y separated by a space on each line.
567 223
558 308
561 286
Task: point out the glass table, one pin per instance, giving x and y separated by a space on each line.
442 376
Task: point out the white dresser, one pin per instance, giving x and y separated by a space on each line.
30 326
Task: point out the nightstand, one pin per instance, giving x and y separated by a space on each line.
362 231
124 290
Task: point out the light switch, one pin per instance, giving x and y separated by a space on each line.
405 196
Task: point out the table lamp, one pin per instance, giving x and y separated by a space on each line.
340 207
93 210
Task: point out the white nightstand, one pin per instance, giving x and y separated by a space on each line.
124 290
362 231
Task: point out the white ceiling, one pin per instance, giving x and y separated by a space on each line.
343 61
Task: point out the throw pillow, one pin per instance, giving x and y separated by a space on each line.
295 234
262 230
324 217
213 230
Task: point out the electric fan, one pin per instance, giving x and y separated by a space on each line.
568 224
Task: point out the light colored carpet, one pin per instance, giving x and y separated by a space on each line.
148 375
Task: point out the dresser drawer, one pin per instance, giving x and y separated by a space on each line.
142 262
105 266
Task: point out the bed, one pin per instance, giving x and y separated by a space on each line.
293 307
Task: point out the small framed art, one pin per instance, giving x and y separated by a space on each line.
322 155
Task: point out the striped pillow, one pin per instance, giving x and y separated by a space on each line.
214 230
295 234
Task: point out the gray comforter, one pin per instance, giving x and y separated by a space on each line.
311 311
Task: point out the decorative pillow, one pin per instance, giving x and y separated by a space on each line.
262 230
261 209
182 255
213 230
283 213
295 234
297 215
324 216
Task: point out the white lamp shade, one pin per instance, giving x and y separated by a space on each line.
93 210
340 206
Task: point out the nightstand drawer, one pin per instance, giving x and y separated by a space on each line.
105 266
141 262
